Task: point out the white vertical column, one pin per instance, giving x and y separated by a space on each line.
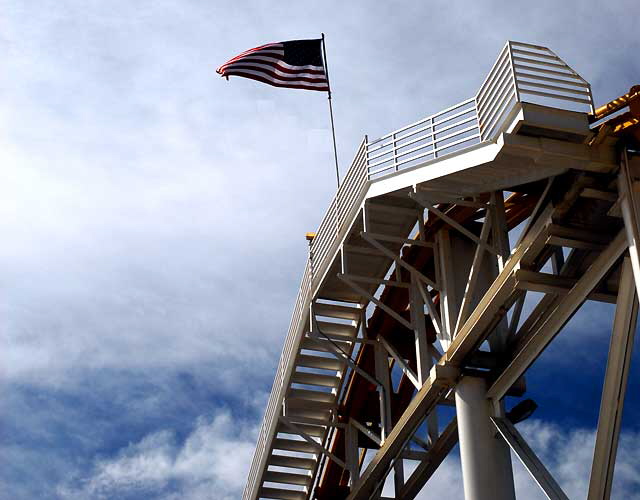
485 457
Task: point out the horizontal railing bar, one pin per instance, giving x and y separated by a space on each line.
414 132
504 53
506 94
506 106
553 87
486 111
415 124
555 96
455 134
434 151
425 146
416 157
490 85
494 118
485 108
451 144
453 117
542 63
376 172
505 71
380 162
380 155
420 122
417 148
531 46
535 54
395 132
457 124
550 79
413 141
550 72
451 108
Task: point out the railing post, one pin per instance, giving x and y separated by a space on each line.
433 139
395 152
366 156
513 73
475 103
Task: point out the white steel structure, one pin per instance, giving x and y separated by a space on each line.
412 272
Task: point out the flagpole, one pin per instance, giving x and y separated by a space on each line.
333 130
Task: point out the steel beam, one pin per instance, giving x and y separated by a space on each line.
614 388
441 379
438 451
529 459
547 330
630 206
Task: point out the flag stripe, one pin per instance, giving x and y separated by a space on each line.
276 70
271 74
300 68
276 56
279 64
270 81
279 79
276 64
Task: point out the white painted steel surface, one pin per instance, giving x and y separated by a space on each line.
523 72
486 460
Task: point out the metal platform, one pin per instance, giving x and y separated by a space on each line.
440 298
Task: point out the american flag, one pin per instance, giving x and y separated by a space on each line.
296 64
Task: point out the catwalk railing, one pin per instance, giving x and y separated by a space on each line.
522 73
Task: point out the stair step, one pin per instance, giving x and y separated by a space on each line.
315 379
280 494
324 345
336 311
292 462
293 445
287 478
331 363
318 416
311 430
338 329
309 405
323 397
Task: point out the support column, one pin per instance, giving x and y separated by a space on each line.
630 206
485 457
614 387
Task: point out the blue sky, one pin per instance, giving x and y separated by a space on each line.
153 219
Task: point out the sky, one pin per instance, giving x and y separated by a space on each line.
153 219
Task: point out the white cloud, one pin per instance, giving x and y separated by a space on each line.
153 215
567 454
212 460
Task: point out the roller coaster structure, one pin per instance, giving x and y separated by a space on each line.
412 296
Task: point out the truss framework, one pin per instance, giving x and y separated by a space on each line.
424 308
